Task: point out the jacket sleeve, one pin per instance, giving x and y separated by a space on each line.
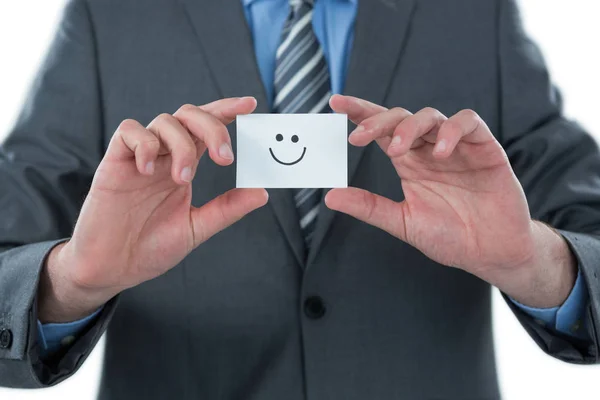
558 164
46 167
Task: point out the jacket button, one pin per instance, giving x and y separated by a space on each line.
314 307
5 339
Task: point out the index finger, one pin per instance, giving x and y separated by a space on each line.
225 110
207 125
357 109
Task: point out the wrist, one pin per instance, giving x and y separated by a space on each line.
547 279
60 298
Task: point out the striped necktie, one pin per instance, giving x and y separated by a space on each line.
302 85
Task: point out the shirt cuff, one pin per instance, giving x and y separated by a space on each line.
568 319
52 337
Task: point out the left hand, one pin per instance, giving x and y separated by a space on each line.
463 207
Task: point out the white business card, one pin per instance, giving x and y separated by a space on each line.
292 151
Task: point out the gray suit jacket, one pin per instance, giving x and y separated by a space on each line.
232 320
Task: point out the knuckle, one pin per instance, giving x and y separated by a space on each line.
214 109
429 111
399 110
150 144
399 131
186 109
219 132
368 123
227 203
199 233
370 205
164 118
187 153
160 121
470 114
452 127
433 113
408 126
127 125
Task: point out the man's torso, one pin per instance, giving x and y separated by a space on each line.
230 321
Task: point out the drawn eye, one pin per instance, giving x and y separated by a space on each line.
279 137
295 139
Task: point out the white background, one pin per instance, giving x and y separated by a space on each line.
568 32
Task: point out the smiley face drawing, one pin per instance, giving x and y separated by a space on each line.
285 151
279 137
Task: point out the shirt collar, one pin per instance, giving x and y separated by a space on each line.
248 3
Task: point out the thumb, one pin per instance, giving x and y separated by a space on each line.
224 211
373 209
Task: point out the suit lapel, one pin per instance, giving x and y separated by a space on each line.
227 44
380 34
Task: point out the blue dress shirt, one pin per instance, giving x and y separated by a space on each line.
333 23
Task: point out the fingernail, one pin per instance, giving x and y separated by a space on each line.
396 141
440 146
186 174
240 99
150 168
225 151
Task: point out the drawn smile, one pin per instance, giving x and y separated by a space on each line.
287 163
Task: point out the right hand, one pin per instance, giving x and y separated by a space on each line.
137 221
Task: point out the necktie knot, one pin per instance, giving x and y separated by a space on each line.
296 4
